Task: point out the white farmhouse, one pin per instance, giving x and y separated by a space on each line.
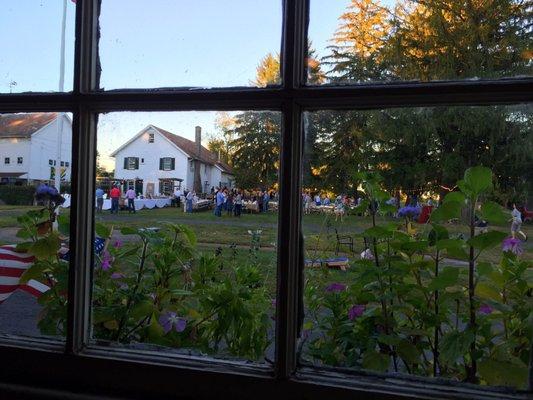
28 147
159 161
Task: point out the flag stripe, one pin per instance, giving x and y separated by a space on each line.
11 272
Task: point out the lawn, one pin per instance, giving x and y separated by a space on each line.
318 230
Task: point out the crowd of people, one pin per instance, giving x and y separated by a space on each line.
231 201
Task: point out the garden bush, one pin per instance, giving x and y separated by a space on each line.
411 307
17 195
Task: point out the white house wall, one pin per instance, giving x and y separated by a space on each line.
151 153
44 148
14 148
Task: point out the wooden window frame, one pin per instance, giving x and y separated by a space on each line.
78 363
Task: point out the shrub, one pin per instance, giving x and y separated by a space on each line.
17 195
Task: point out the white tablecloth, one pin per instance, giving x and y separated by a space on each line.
139 203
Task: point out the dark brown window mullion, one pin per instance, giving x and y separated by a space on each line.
83 174
289 229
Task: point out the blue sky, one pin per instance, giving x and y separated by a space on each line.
201 43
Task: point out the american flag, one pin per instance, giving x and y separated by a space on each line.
13 264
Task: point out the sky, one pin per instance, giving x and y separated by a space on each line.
158 43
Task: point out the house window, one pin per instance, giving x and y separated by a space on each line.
20 160
150 138
167 163
62 163
50 162
67 164
131 163
383 112
7 160
142 160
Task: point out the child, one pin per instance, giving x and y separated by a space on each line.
516 223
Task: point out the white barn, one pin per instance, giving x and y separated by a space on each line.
28 147
158 161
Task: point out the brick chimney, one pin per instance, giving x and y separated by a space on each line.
198 140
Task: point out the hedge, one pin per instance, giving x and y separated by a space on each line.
17 195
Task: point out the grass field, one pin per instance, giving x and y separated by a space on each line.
319 230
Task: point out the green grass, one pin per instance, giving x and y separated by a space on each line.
319 232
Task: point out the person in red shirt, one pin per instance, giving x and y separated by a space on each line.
115 196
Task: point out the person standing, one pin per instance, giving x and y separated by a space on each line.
130 196
266 199
238 204
219 202
99 200
188 201
115 196
318 201
307 203
229 203
177 197
516 223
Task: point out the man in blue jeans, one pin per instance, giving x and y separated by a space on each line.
219 202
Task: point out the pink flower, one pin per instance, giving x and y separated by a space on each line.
336 288
117 244
513 245
117 275
356 311
485 309
106 261
171 320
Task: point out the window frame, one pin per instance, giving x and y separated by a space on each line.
77 359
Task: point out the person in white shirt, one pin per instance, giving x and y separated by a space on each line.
177 197
516 223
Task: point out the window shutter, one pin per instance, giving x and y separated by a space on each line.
125 162
173 164
136 162
160 164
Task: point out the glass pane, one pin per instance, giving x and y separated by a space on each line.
187 220
31 56
416 253
364 41
34 223
207 43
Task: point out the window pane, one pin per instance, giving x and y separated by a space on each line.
30 59
364 41
34 223
393 199
174 269
205 43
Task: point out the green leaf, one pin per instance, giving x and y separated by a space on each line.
375 361
447 211
437 233
102 231
408 351
493 212
142 309
455 345
449 276
478 179
46 247
34 272
505 373
454 196
527 275
180 292
189 234
485 290
487 240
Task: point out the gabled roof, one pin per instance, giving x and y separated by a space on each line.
190 147
186 146
23 125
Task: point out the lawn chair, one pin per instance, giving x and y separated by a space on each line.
343 240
